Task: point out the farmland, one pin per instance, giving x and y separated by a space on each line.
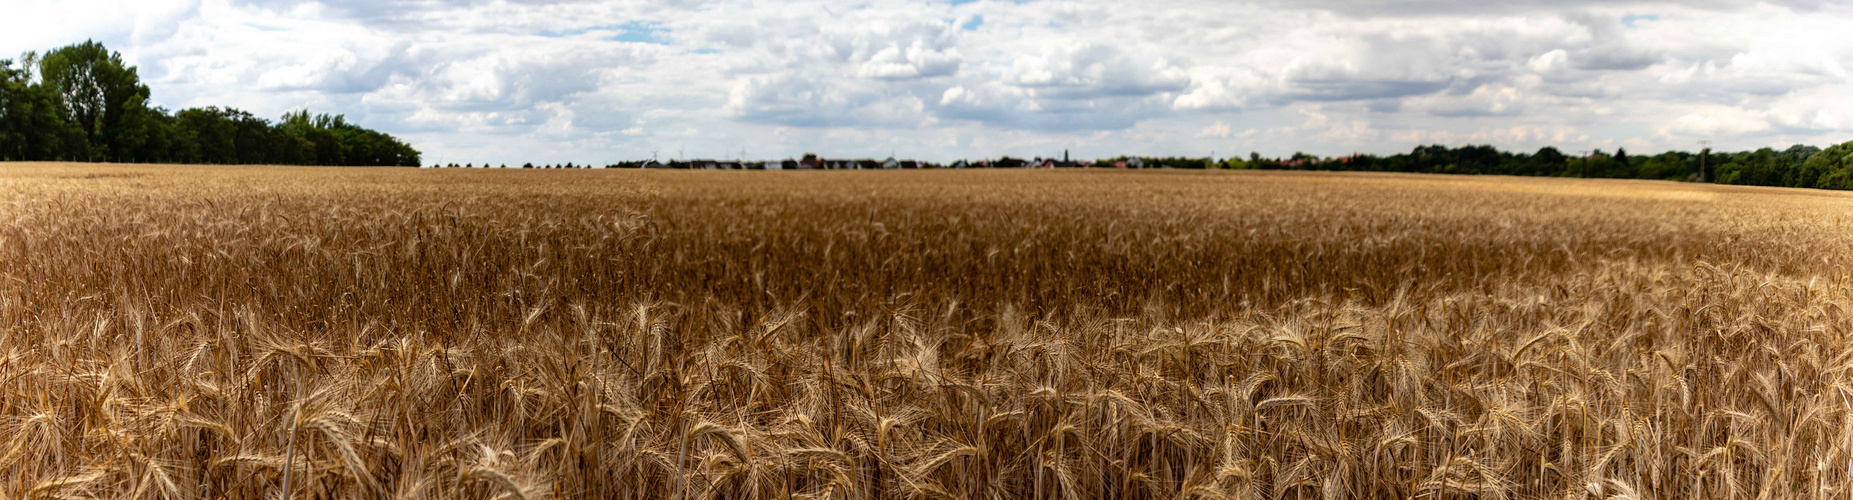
245 332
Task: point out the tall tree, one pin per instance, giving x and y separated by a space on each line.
32 126
1832 168
101 96
1548 161
13 129
1623 166
84 104
1666 166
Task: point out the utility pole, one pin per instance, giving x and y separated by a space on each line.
1704 153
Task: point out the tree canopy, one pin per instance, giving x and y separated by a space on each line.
81 103
1797 166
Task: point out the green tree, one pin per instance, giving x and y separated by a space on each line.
102 97
314 134
14 132
1595 165
213 138
1547 161
251 138
31 125
1621 166
84 104
1732 173
1666 166
1832 168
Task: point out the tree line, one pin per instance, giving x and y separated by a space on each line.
1798 166
81 103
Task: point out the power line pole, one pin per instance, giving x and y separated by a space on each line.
1704 154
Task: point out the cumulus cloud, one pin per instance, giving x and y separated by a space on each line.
1094 70
614 79
1012 106
1230 89
1473 7
823 102
916 60
1521 137
1715 122
1485 100
1087 86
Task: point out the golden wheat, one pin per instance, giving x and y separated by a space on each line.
257 332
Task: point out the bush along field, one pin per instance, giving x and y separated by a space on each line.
241 332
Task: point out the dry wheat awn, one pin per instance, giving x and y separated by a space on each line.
257 332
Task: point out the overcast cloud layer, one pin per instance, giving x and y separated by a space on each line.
510 81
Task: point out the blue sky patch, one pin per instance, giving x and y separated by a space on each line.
973 24
641 33
1630 19
632 31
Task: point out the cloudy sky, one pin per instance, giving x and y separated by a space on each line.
547 81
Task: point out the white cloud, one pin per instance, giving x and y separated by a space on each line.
915 61
1218 129
1485 100
1716 121
824 102
1550 63
1094 70
596 80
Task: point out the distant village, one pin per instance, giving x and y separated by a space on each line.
1797 166
814 162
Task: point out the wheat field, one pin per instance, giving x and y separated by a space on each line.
278 332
